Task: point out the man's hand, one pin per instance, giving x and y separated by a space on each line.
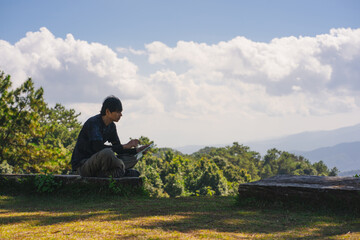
142 148
131 144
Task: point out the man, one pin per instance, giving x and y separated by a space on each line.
92 157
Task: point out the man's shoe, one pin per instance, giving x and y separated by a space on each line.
131 173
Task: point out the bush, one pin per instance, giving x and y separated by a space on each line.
46 183
5 168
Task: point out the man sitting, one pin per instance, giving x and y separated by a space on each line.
92 157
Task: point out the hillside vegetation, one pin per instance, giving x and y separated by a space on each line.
35 138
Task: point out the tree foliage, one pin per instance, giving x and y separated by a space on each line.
218 171
33 136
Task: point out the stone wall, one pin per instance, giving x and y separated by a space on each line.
72 184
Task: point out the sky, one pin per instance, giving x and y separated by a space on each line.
192 72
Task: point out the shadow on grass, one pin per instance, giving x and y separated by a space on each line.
184 215
224 215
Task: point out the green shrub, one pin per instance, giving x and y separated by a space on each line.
46 183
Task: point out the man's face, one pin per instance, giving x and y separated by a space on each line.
114 116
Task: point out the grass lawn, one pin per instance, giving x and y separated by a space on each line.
113 217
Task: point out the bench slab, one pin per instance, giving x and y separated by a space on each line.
316 188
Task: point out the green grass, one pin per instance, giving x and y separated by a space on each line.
114 217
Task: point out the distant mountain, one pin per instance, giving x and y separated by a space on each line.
308 141
350 173
344 156
305 141
189 149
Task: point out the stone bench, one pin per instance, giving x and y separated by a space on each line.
345 190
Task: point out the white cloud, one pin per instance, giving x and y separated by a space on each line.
12 61
70 70
131 51
278 74
222 87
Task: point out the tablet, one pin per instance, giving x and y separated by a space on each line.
140 154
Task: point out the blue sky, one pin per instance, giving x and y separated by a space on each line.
192 72
134 23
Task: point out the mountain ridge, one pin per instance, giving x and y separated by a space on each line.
344 156
304 141
336 148
309 140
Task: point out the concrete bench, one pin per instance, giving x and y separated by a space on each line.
345 190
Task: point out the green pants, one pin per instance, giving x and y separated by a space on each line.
105 164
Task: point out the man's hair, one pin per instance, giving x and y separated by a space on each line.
112 103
